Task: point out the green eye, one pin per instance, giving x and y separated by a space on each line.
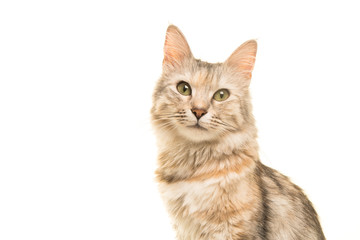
221 95
184 88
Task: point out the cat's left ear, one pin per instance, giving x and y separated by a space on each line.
243 58
176 48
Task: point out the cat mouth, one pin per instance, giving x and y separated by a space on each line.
197 126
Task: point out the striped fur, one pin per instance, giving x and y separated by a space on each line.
210 176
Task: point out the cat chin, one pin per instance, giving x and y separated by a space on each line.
197 134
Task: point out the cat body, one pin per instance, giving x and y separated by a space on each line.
209 173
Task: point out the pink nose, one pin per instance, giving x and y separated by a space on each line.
198 112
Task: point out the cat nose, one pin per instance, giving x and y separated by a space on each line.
198 112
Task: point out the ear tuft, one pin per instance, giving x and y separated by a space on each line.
243 58
176 48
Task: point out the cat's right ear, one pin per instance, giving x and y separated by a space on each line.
176 49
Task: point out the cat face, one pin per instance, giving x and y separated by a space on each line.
200 101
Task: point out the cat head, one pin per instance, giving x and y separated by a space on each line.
200 101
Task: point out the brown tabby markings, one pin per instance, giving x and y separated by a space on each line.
210 176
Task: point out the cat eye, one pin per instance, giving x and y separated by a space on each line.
221 95
184 88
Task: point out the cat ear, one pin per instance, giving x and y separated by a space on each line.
176 48
243 58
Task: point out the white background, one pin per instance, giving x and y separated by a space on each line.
77 153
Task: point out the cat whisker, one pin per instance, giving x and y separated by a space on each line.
169 117
167 126
217 121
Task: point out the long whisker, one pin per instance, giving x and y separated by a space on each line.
218 122
166 120
167 125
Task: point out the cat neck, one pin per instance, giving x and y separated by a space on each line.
180 159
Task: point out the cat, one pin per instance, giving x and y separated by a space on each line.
209 173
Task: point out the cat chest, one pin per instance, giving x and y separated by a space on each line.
212 196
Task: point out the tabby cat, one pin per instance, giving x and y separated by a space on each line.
209 172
